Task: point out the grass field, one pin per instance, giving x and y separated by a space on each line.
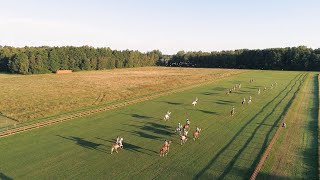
25 98
228 148
295 153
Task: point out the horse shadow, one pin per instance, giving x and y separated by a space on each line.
84 143
209 93
172 103
131 147
224 102
140 116
208 112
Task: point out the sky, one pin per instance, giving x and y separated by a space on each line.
166 25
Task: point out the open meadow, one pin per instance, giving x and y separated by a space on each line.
24 98
229 147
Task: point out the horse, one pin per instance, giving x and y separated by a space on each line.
183 139
167 116
165 149
249 101
194 103
115 147
244 100
186 126
196 134
178 129
232 112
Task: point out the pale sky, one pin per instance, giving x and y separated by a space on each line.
167 25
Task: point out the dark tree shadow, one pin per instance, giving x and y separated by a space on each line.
310 155
4 177
84 143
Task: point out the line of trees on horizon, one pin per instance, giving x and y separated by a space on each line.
39 60
290 58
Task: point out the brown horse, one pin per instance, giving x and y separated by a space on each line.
115 147
196 134
165 149
186 126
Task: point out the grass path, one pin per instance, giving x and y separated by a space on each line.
295 155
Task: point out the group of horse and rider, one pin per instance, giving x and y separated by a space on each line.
182 130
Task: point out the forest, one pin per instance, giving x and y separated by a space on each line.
39 60
290 58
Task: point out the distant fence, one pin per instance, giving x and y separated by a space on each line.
63 71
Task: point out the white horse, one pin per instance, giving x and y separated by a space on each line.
179 129
259 91
167 116
183 139
194 103
117 145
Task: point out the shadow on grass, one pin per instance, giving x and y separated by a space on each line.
224 102
172 103
230 165
4 177
84 143
150 130
310 155
271 125
209 93
207 112
131 147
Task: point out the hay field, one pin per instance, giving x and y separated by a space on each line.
28 97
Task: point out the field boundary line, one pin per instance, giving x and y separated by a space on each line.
274 138
56 120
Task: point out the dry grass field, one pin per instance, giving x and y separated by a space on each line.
35 96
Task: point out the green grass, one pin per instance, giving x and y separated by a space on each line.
295 154
229 147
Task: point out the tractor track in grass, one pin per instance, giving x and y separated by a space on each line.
52 121
275 137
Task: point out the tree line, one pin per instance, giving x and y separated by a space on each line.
291 58
38 60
